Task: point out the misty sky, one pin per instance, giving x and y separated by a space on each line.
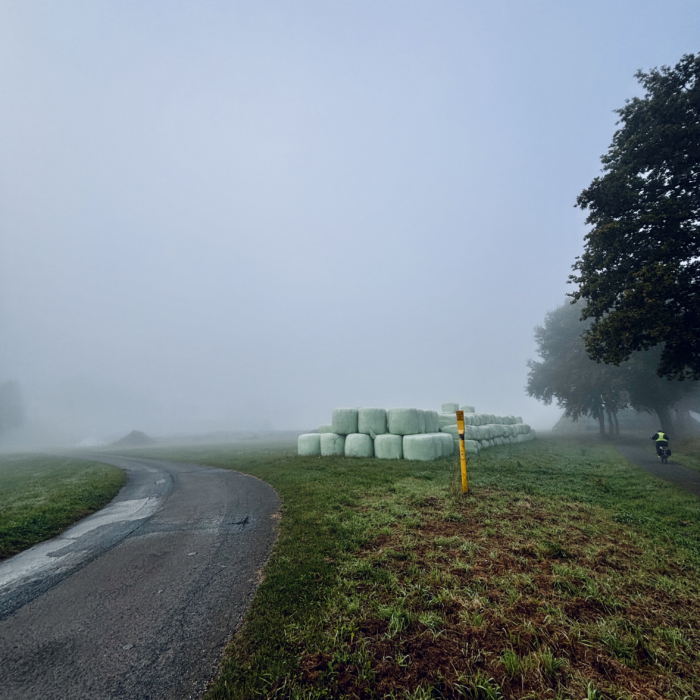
231 215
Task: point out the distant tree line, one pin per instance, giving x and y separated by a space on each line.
567 375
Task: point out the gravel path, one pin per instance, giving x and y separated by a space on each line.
139 599
644 456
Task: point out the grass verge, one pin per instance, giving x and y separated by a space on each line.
567 573
41 496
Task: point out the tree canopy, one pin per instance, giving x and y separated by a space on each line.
639 273
583 387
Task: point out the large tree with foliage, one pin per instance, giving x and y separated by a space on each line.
582 387
640 271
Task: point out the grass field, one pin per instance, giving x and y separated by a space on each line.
566 573
41 496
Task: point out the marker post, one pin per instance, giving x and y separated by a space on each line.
462 451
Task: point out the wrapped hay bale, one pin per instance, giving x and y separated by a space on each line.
359 445
472 432
388 447
471 447
518 419
446 443
424 447
371 421
432 422
309 444
450 407
421 420
332 444
468 409
325 428
405 421
450 430
447 419
344 421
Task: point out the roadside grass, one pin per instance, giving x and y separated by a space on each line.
40 496
566 573
687 453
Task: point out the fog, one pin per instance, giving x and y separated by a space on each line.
239 216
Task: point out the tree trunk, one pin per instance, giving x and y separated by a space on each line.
601 422
664 415
611 430
617 424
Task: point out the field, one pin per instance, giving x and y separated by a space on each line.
41 496
566 573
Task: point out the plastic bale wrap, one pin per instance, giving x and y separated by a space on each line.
450 430
404 421
472 432
423 448
518 419
450 407
371 421
309 444
468 409
359 445
446 443
447 419
325 428
421 420
332 444
344 421
484 444
472 447
388 447
432 422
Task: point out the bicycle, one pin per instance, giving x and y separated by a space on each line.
664 453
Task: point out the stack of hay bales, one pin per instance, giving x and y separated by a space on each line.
411 433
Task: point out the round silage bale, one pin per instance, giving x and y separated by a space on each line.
423 447
344 421
472 447
451 430
325 428
450 407
468 409
432 422
332 445
404 421
447 419
309 444
447 443
518 419
359 445
371 421
388 446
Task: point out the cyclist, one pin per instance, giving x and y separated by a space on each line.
661 443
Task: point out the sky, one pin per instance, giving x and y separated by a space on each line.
231 215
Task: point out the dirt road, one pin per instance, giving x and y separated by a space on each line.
138 600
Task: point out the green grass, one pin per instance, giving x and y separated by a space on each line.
687 453
41 496
566 573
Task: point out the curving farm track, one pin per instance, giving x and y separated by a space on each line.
139 599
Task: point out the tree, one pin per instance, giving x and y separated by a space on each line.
584 387
566 373
640 271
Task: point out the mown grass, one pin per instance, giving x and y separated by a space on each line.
41 496
687 453
566 573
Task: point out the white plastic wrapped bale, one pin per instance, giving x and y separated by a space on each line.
309 444
332 444
359 445
424 448
447 419
450 430
518 419
472 432
388 447
471 447
421 420
432 422
405 421
344 421
446 443
450 407
371 421
468 409
325 428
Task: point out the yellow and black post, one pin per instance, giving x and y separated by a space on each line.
462 451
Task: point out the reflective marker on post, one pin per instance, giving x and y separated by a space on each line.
462 452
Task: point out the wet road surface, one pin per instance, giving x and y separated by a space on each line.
646 458
139 599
